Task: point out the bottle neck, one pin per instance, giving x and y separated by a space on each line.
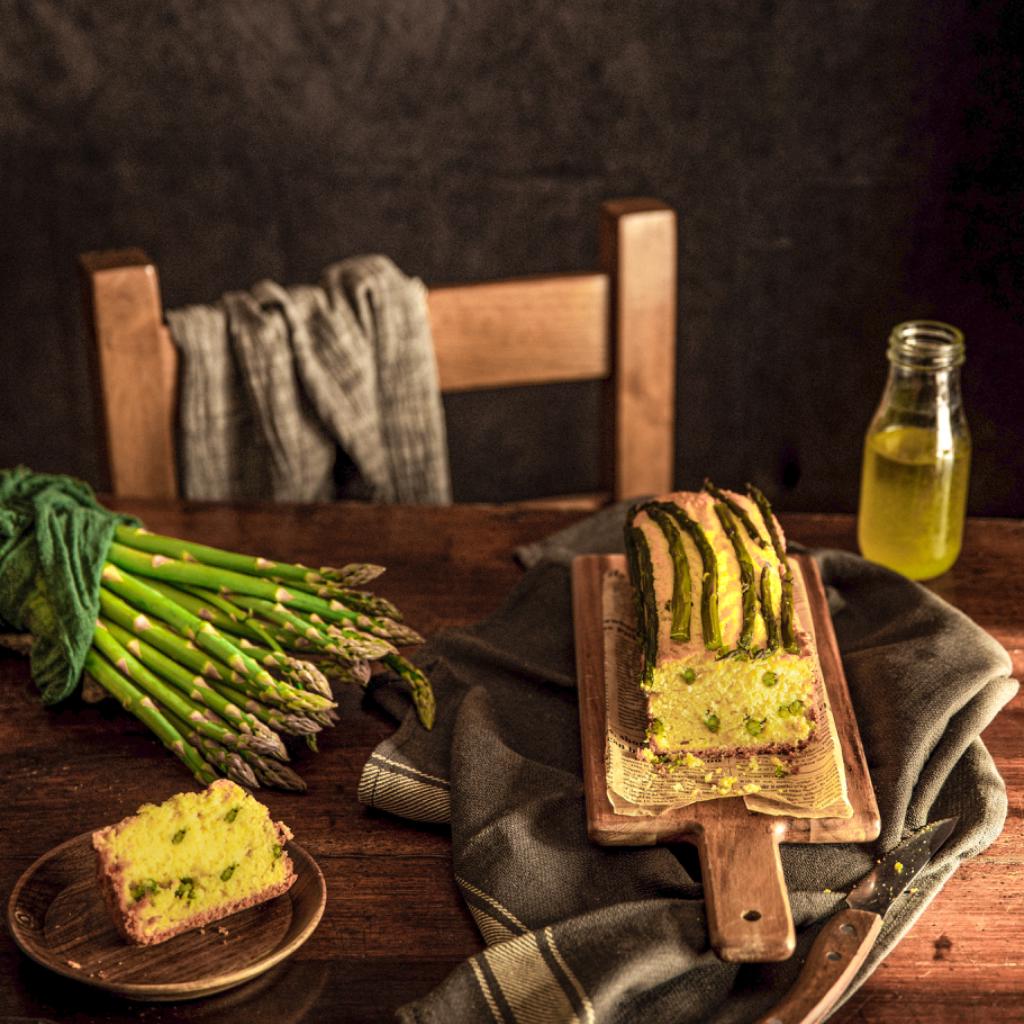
913 388
926 345
925 357
923 389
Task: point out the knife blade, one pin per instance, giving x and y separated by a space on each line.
845 941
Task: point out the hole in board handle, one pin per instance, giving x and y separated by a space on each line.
833 955
752 915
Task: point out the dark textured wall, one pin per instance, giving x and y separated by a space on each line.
838 166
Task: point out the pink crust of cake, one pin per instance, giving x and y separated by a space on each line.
126 919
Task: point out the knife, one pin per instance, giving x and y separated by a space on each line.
845 941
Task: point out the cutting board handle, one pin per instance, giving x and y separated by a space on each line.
744 889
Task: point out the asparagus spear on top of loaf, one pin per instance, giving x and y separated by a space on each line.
786 613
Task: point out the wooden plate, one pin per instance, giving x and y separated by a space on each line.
57 916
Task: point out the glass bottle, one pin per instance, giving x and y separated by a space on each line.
917 454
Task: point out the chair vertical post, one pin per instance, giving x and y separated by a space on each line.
638 251
136 367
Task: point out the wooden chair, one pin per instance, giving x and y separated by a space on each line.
617 325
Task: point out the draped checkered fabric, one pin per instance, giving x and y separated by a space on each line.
275 380
577 932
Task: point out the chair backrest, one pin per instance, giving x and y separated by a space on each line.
617 325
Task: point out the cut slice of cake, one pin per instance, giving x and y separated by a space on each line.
191 860
728 665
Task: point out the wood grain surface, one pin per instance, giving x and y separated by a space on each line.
749 918
395 925
638 245
58 916
528 331
135 371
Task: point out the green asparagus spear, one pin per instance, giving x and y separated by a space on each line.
786 612
245 623
301 632
357 672
273 773
747 582
313 639
290 723
419 687
633 564
326 667
710 625
358 600
147 712
229 763
768 611
143 540
787 615
191 573
738 511
299 672
335 612
365 602
642 572
216 610
198 607
682 598
303 675
325 719
343 643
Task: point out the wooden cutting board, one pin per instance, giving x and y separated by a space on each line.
748 912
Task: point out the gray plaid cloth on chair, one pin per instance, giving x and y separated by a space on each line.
274 381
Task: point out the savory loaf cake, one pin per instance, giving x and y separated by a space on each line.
727 666
193 859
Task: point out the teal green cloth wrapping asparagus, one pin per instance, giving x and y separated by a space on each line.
54 536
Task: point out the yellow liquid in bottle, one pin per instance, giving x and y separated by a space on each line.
912 500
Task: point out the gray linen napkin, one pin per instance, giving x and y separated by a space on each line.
275 380
575 931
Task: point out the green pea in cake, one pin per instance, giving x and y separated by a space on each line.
728 667
191 860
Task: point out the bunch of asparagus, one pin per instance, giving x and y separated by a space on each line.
220 654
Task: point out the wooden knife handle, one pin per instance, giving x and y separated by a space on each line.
838 951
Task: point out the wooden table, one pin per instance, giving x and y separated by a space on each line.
395 924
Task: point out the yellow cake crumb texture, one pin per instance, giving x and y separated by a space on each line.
190 857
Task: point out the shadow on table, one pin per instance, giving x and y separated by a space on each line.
292 992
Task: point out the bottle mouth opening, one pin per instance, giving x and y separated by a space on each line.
926 344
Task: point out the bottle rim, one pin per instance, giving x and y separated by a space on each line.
926 344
